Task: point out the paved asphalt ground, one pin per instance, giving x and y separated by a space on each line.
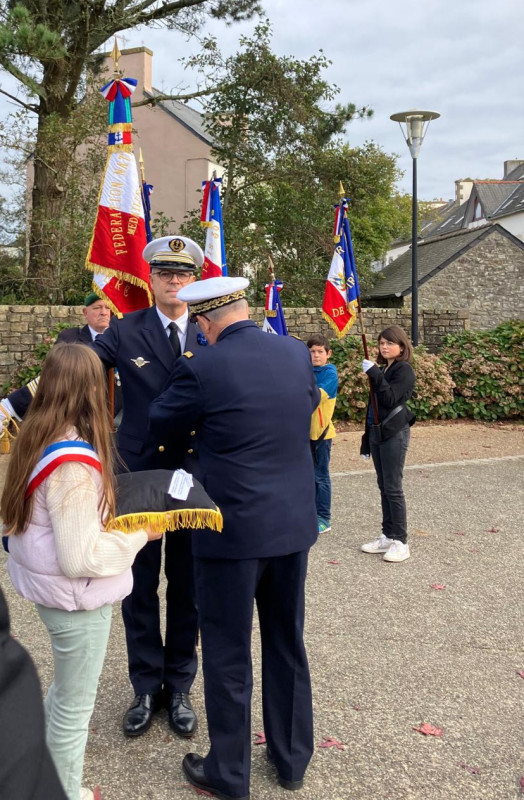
388 652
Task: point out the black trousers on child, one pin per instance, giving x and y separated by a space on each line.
389 458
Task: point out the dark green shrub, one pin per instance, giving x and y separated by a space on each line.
487 368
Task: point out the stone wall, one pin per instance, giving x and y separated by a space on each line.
488 281
22 327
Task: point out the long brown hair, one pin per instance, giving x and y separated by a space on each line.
397 335
71 393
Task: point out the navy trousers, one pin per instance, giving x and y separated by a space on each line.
389 458
155 663
226 593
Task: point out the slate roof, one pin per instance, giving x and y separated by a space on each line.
432 256
516 174
512 204
452 221
189 117
492 193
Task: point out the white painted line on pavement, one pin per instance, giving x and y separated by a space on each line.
434 465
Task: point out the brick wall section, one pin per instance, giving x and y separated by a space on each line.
488 281
22 327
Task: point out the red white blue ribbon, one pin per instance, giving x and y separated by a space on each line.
57 454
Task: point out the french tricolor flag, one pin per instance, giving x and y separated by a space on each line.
215 265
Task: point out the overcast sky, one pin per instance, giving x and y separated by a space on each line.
461 58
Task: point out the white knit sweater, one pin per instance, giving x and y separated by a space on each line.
82 548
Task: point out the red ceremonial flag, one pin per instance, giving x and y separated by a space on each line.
341 295
121 276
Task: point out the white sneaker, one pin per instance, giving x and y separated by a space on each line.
86 794
397 552
380 545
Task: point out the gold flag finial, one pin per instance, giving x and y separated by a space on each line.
271 268
341 191
116 55
142 167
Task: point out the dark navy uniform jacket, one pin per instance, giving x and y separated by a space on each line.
137 345
250 398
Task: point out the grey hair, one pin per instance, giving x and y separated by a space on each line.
217 314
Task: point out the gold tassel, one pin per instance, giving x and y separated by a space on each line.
162 521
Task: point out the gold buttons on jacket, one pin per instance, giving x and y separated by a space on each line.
190 450
161 448
192 433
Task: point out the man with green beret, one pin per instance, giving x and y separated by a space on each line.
97 316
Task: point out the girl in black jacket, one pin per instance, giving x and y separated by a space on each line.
392 381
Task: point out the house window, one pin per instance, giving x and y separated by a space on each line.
478 213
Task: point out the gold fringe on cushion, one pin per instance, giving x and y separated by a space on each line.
5 434
162 521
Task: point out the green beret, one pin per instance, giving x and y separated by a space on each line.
91 298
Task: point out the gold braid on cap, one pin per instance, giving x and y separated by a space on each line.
216 302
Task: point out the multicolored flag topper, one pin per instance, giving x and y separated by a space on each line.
341 297
274 321
120 274
215 265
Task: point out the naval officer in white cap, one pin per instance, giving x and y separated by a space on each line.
144 347
249 397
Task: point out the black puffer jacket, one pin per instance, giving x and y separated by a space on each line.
392 387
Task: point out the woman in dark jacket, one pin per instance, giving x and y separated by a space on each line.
392 382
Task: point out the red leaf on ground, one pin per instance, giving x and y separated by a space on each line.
260 738
334 561
473 770
520 672
474 550
459 533
428 729
493 530
97 794
522 785
437 586
329 741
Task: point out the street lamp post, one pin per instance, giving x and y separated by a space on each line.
416 124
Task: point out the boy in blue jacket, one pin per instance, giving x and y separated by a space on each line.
322 428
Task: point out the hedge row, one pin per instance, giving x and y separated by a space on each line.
478 374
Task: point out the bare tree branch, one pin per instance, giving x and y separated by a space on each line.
28 106
159 98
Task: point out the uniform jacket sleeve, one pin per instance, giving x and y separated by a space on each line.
106 345
394 387
178 409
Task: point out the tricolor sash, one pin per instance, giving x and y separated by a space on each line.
57 454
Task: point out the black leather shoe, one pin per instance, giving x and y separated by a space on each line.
194 771
138 717
292 785
182 718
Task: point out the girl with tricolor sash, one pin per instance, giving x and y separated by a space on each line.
57 498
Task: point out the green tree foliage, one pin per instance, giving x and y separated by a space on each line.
47 46
277 131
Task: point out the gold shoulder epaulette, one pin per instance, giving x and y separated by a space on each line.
188 354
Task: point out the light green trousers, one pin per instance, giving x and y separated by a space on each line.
79 642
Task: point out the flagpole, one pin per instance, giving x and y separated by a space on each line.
372 397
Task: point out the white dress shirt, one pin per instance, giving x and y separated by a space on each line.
181 326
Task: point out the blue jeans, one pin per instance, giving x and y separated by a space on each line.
321 455
79 642
388 458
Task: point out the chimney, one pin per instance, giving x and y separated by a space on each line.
509 166
463 189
